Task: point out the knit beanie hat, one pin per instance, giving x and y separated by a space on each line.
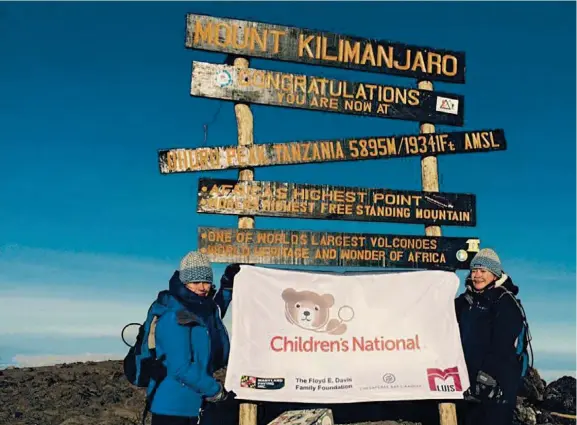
487 259
195 267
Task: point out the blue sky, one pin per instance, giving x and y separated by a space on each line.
90 231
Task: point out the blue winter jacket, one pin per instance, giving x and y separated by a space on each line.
490 323
195 342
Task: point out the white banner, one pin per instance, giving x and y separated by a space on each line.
329 338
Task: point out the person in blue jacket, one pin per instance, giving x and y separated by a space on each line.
192 341
490 322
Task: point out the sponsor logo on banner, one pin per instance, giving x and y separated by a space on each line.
256 383
325 383
389 378
447 380
389 382
447 105
311 312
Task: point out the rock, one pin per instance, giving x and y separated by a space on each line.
305 417
533 387
525 415
78 420
559 396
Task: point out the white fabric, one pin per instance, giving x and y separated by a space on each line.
414 308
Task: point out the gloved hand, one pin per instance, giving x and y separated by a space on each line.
221 396
227 279
484 388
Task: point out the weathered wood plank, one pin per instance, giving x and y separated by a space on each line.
274 88
314 47
181 160
292 200
311 248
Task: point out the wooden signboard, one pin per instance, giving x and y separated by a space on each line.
296 247
181 160
291 200
314 47
274 88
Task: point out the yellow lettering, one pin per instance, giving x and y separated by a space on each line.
227 39
202 34
325 55
276 35
255 38
352 54
419 63
304 45
385 56
368 55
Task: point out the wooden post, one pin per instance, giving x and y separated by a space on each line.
245 126
430 182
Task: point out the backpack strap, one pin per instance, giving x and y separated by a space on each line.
152 334
525 333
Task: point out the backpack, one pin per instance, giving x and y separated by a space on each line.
141 364
523 342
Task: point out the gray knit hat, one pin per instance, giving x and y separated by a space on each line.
195 267
487 259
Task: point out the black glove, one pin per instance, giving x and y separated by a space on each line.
468 396
485 388
221 396
227 279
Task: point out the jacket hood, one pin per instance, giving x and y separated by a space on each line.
504 282
162 303
165 299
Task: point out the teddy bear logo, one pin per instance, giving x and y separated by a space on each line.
311 311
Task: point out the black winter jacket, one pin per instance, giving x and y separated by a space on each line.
489 323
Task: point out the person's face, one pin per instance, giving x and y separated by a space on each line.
481 278
199 288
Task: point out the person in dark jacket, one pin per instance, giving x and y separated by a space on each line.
490 322
192 340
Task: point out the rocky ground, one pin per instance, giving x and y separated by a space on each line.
98 394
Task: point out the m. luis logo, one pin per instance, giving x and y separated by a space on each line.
435 375
311 312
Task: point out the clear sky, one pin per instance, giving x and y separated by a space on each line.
90 231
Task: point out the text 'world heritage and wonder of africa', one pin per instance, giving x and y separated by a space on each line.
265 246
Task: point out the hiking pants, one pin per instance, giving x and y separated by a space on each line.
487 414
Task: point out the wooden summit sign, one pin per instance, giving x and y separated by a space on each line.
300 45
276 199
181 160
274 88
295 247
